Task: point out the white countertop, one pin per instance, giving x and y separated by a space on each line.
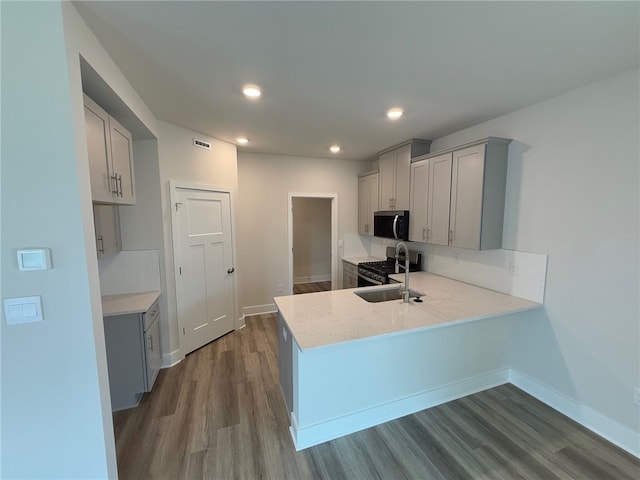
326 318
357 260
128 303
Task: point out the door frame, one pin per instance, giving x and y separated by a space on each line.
173 186
334 235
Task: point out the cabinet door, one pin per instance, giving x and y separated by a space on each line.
367 203
402 157
418 204
285 362
122 159
153 355
467 179
387 173
125 359
439 199
374 185
107 226
99 151
363 205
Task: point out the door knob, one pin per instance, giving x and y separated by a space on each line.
231 270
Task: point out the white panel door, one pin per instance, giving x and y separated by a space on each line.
439 199
204 266
418 204
467 180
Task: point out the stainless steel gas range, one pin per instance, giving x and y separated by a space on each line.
377 273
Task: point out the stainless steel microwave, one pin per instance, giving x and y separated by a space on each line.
391 224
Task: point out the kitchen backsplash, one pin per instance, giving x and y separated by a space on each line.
520 274
129 272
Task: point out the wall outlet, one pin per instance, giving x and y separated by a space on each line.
636 396
514 269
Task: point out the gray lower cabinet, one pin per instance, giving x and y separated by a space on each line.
349 275
285 362
133 355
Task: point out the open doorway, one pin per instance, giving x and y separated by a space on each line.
312 242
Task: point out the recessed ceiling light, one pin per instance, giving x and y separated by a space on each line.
252 91
242 140
394 113
334 148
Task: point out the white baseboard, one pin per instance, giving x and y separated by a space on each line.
610 430
259 309
310 435
171 359
312 279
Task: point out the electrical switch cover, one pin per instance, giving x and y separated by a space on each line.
22 310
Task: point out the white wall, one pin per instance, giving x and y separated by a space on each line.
572 193
56 412
181 161
264 184
311 239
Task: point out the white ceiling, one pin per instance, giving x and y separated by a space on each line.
330 70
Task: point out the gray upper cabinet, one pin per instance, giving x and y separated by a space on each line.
367 202
457 195
122 159
110 150
395 173
478 184
419 192
439 199
430 199
107 228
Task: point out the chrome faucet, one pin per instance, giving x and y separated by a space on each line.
406 269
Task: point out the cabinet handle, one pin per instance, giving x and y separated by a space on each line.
428 233
424 233
101 247
366 228
450 237
120 185
150 342
114 186
231 270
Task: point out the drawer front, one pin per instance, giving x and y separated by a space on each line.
150 315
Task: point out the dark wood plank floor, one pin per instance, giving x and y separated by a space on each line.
219 414
311 287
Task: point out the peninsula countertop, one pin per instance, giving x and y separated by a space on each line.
125 303
327 318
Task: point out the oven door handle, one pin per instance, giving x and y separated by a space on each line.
395 231
370 280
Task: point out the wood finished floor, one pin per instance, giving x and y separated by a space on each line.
219 414
311 287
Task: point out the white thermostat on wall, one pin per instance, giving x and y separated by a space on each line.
31 259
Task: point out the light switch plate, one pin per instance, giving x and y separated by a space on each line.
23 310
31 259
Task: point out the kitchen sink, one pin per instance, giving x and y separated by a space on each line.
385 295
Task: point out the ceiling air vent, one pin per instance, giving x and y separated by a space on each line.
201 144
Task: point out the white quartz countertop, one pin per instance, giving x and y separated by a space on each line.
357 260
326 318
128 303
